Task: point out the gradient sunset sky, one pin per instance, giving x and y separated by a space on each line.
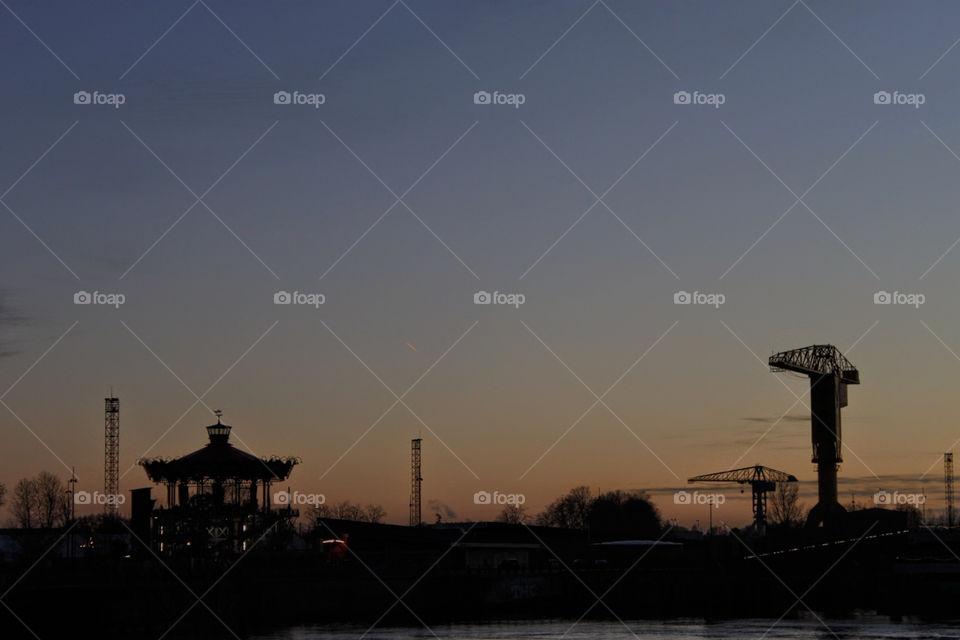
399 198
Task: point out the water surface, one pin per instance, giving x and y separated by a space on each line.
865 629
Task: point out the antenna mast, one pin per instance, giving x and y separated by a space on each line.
948 485
416 480
111 455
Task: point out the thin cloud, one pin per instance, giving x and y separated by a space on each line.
772 419
9 318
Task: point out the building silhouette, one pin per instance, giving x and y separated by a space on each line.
218 498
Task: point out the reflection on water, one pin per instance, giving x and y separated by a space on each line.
861 629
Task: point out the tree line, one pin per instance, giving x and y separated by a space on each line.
631 514
346 510
44 502
38 502
610 515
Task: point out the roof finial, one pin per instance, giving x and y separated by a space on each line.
218 413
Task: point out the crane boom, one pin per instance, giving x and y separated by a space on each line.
757 473
816 360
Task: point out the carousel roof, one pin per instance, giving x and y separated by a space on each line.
218 460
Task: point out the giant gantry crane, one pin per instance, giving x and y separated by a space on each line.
761 479
830 373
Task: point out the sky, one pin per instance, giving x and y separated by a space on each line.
787 162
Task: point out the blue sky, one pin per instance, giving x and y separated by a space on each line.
493 198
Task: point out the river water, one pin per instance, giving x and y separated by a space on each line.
858 629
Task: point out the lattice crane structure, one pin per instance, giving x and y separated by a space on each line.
761 480
830 373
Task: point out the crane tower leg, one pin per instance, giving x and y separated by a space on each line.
827 396
759 509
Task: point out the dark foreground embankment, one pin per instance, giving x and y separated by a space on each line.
140 597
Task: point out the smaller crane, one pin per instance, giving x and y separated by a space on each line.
761 479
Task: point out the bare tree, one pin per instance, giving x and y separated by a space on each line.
785 507
3 494
569 512
41 501
53 503
374 513
25 503
513 514
347 510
